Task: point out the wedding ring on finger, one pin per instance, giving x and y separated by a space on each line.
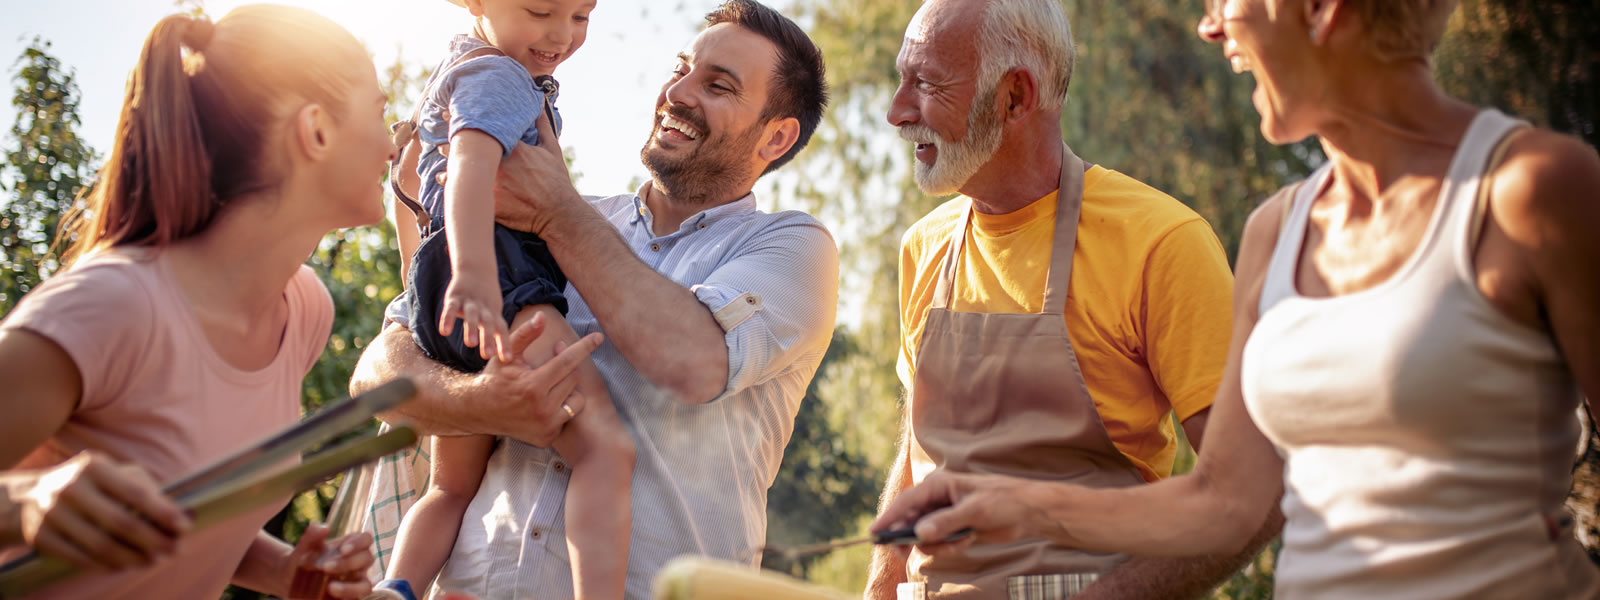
571 414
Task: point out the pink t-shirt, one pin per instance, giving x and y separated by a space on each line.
155 393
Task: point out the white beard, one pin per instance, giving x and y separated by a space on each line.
956 162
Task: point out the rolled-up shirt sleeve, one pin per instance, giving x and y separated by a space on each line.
775 302
399 310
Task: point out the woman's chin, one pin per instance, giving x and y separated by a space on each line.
1273 134
1275 128
366 216
373 219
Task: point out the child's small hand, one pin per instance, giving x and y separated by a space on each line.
324 568
478 307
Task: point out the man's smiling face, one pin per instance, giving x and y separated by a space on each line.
708 117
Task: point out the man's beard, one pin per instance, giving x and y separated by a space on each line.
705 175
958 162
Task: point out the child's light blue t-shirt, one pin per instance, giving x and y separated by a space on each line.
492 94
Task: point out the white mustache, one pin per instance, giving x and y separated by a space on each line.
920 134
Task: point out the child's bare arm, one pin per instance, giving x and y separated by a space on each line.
474 292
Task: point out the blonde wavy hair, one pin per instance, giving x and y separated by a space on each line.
1404 29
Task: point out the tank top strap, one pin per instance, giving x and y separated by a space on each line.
1464 189
1279 283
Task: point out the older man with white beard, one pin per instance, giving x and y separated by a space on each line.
1053 315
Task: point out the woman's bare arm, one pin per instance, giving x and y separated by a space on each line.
1543 203
79 510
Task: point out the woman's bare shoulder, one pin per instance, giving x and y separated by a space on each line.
1260 237
1547 185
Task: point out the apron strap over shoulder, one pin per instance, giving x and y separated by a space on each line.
1069 203
944 287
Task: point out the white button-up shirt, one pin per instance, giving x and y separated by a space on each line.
702 471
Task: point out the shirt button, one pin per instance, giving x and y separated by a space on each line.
700 226
749 299
560 467
655 247
535 534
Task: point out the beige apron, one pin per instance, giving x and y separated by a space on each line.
1003 394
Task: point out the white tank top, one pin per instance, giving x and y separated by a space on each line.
1426 436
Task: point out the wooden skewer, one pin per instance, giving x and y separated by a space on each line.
700 578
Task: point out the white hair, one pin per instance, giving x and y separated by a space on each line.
1027 34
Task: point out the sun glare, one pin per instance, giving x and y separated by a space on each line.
419 26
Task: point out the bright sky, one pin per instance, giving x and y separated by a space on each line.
607 87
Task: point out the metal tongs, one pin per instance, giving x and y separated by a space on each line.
256 476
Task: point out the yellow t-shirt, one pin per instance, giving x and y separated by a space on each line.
1149 309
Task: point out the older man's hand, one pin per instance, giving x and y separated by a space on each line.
533 185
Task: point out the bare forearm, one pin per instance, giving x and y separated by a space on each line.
1174 578
265 567
657 324
1180 516
439 406
888 572
1188 577
888 569
469 206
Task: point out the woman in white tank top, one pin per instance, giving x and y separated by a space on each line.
1414 327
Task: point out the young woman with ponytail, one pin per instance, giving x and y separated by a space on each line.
187 318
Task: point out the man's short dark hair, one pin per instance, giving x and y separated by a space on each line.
799 89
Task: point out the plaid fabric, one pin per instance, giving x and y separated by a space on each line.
1021 587
398 481
1048 587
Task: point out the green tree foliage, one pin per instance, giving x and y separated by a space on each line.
47 166
1537 59
1150 99
818 482
858 179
